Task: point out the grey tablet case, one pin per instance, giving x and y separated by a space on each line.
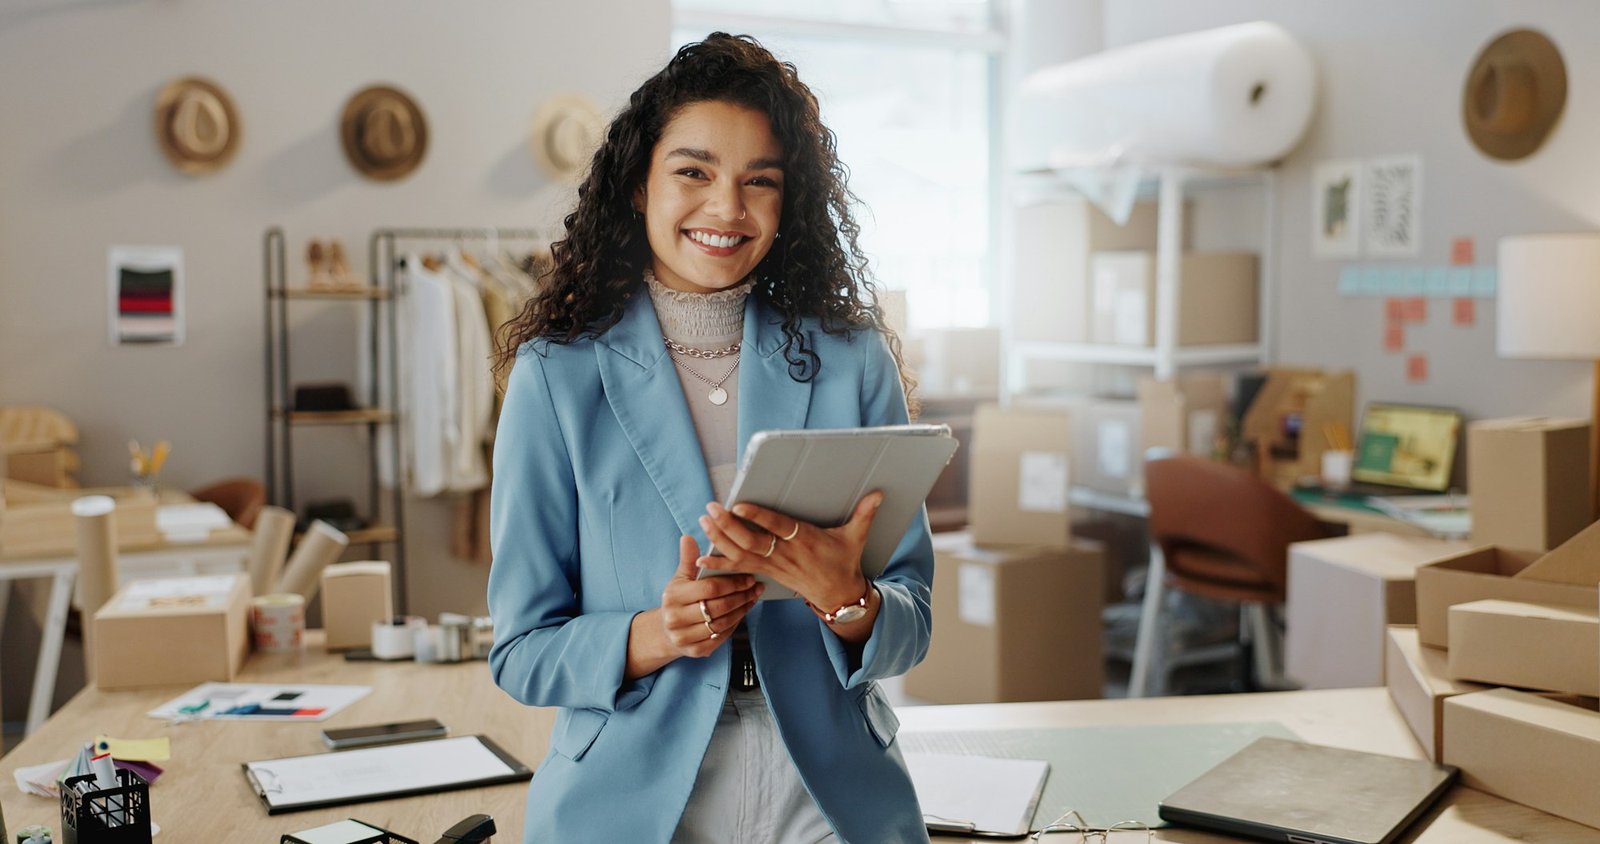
820 475
1277 790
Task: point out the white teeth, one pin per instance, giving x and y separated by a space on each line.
718 241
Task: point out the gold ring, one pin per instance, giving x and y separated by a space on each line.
703 613
710 629
793 533
771 547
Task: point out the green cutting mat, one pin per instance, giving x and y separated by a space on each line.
1108 774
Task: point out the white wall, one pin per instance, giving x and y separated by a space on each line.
1391 76
80 170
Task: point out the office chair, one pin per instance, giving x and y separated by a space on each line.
1220 532
241 498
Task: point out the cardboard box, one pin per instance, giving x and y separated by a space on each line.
1107 452
1050 277
1529 749
1532 646
180 630
354 595
1529 480
1186 414
1020 459
1012 624
1566 576
1217 298
959 362
1342 594
46 527
1418 685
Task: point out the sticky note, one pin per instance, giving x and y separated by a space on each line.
1461 251
135 750
1413 281
1417 368
1415 309
1436 282
1465 311
1394 337
1394 280
1460 281
1372 281
1350 281
1394 311
1485 282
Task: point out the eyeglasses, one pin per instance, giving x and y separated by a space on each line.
1073 822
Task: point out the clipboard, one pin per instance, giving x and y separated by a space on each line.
819 475
318 780
977 796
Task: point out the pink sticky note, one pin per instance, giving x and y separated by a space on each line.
1461 252
1394 311
1417 368
1416 309
1394 337
1466 311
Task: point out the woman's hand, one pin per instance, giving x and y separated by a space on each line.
823 565
695 616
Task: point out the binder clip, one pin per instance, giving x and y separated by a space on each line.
476 829
120 815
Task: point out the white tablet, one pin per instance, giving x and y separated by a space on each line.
820 475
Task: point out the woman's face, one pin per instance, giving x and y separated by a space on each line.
713 197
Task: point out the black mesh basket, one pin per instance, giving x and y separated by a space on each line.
120 815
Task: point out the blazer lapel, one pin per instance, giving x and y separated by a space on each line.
769 399
644 391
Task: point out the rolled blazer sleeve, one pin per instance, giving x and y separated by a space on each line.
904 625
546 652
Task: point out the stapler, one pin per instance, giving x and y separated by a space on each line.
472 830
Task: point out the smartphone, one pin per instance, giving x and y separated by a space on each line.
344 737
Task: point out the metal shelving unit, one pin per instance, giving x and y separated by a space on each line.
385 513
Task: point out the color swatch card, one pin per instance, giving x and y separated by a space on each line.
260 702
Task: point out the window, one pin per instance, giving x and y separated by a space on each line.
907 87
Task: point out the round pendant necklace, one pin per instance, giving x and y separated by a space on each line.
717 396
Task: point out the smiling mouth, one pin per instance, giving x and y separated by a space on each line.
717 242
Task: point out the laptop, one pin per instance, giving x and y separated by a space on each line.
1405 449
1280 790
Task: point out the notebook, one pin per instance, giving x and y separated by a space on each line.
1277 790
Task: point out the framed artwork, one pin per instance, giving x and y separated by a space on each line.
1393 208
1336 209
146 284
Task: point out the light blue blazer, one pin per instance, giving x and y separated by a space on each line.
597 471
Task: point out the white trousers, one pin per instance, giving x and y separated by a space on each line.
748 789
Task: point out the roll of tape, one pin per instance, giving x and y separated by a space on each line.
278 622
425 640
395 640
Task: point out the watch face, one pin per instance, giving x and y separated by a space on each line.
845 615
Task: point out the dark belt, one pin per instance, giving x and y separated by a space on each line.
742 668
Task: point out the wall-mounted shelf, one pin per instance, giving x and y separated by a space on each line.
365 416
331 293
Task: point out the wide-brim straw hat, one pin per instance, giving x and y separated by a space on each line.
196 125
384 133
567 129
1514 94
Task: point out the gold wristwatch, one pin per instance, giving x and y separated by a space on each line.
851 612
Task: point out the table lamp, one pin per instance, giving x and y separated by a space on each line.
1549 308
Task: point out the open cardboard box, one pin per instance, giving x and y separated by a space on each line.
1567 575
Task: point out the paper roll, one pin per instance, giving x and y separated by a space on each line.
273 532
95 520
321 545
278 622
1235 96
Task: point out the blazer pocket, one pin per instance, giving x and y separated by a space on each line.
576 730
880 716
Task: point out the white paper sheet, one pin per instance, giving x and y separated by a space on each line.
286 702
975 599
190 522
1042 482
351 774
995 795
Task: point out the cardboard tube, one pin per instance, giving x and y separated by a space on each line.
303 575
95 519
273 533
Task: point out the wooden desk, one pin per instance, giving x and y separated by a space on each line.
203 791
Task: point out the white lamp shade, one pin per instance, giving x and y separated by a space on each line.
1549 299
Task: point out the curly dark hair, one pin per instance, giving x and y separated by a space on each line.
816 267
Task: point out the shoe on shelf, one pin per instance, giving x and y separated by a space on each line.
339 268
317 277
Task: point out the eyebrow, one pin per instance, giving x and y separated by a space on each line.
708 157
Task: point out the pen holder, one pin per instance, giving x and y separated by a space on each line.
120 815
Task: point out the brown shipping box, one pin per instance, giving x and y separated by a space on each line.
1418 685
354 595
1186 414
1217 298
1342 593
1054 239
1529 480
1106 452
1567 576
1531 646
1012 624
1019 471
958 362
1528 749
173 631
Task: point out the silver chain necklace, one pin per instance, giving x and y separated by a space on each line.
717 396
703 354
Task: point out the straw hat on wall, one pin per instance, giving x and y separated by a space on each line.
384 132
1514 94
566 132
196 125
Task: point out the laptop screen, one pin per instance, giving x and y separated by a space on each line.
1409 446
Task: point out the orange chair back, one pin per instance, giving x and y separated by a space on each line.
241 498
